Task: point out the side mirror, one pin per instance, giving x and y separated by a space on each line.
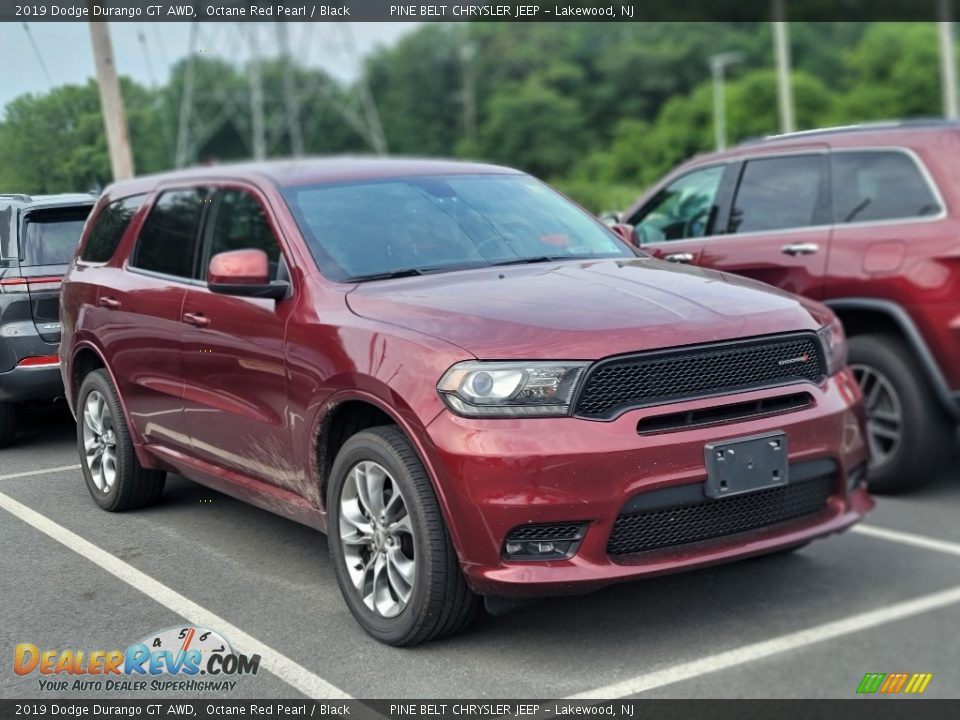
627 233
245 273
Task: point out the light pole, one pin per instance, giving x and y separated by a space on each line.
948 62
718 66
781 48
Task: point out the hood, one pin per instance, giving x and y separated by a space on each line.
580 310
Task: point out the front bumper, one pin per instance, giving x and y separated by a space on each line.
497 475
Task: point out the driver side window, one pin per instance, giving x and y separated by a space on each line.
686 208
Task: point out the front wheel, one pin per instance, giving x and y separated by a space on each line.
393 558
114 476
909 435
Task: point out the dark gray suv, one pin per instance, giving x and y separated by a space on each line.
38 236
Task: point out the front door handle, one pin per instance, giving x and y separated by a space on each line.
196 319
800 249
109 303
679 257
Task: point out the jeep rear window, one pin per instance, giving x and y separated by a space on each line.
443 223
50 237
874 185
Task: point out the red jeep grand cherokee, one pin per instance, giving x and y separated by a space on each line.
472 385
864 218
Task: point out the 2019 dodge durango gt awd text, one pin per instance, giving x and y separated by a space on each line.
474 387
38 236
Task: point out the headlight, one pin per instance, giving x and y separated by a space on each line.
834 345
511 389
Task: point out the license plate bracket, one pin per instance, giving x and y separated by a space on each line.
745 465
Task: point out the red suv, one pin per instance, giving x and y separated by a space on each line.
865 219
473 386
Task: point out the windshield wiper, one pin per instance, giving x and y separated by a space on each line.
539 259
409 272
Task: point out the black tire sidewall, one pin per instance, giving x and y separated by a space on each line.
369 446
98 381
8 423
926 440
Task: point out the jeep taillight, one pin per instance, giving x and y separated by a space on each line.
22 285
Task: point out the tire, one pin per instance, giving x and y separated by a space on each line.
8 423
132 485
911 438
436 602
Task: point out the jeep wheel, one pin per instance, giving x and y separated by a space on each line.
909 434
8 423
393 559
114 476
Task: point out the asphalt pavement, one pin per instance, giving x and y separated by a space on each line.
883 598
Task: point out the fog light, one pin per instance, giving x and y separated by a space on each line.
555 541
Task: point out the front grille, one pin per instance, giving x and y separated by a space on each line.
631 381
682 524
735 412
557 531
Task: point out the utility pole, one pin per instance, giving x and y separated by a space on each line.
781 45
948 61
467 53
289 92
256 97
111 103
718 66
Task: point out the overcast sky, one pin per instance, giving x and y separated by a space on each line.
65 49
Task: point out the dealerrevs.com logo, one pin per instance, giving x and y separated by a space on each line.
189 659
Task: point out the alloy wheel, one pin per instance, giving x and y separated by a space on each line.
377 538
99 442
884 413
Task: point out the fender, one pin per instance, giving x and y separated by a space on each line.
143 458
915 341
413 433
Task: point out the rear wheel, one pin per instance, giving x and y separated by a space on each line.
114 476
909 434
8 423
393 559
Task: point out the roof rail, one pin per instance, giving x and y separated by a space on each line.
915 123
17 196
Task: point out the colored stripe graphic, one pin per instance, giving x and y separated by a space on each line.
893 683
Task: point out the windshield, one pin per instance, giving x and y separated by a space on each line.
51 236
384 228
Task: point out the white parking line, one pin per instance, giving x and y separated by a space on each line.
28 473
774 646
905 538
292 673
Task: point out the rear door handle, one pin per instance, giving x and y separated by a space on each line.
800 249
679 257
109 303
196 319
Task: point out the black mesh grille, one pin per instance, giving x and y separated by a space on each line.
557 531
672 526
653 378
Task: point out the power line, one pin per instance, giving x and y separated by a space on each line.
36 51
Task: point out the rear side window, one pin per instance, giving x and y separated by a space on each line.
241 224
108 229
168 238
778 194
879 185
50 237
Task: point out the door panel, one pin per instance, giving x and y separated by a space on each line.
235 387
137 320
778 226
